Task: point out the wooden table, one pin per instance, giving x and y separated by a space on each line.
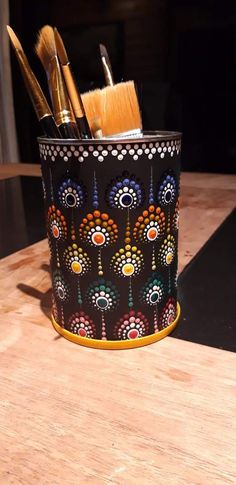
160 415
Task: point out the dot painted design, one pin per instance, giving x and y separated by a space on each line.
127 261
98 230
103 295
81 324
61 289
150 225
131 326
167 190
57 226
175 220
76 260
71 194
125 192
167 251
153 291
168 314
118 151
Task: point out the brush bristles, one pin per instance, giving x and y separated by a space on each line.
46 47
117 107
14 39
61 51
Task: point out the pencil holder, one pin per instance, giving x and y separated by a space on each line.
112 214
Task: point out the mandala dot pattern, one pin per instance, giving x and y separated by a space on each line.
102 295
125 192
71 194
56 223
167 251
127 261
131 326
76 260
81 324
98 229
150 225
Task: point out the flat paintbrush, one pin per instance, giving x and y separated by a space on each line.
46 51
72 89
37 97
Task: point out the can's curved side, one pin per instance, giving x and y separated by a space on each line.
112 211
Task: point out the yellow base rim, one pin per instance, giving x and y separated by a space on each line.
116 344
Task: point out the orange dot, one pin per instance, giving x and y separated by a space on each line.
89 217
96 213
127 240
128 269
110 222
85 220
151 208
55 231
137 224
105 217
152 217
146 221
145 213
104 224
98 238
152 234
158 210
98 222
114 226
140 219
162 214
76 267
53 207
142 226
58 212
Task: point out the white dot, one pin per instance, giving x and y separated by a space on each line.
61 153
153 150
72 148
114 152
47 147
81 159
104 153
119 147
53 159
144 145
128 147
58 148
123 151
159 149
95 153
55 153
90 148
146 150
81 148
100 158
65 159
171 154
76 153
100 148
49 152
85 154
169 149
164 149
69 153
109 147
135 157
162 155
150 156
136 146
131 152
139 151
65 149
120 157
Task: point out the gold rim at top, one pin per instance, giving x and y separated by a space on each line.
116 344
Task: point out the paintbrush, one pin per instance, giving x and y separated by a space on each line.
47 53
106 65
37 97
117 107
72 89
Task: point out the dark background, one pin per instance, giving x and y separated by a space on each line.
180 53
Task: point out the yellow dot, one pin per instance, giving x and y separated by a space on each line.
74 246
76 267
127 247
128 254
169 258
134 249
121 251
127 240
128 269
76 253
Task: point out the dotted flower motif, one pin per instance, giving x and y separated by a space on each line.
60 287
175 221
97 229
54 309
150 225
71 194
56 223
167 250
125 192
102 295
131 326
153 291
76 260
128 261
168 314
82 325
167 190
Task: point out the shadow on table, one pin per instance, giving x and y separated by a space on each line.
45 299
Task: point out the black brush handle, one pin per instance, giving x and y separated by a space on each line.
69 130
49 127
83 126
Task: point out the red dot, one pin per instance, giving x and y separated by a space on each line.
82 332
133 333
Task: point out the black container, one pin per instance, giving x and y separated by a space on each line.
112 219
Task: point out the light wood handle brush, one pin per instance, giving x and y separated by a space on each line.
106 65
72 89
37 97
47 53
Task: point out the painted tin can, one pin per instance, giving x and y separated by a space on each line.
112 211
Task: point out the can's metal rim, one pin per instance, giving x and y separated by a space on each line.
116 344
147 136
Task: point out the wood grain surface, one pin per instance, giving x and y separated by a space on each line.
160 415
